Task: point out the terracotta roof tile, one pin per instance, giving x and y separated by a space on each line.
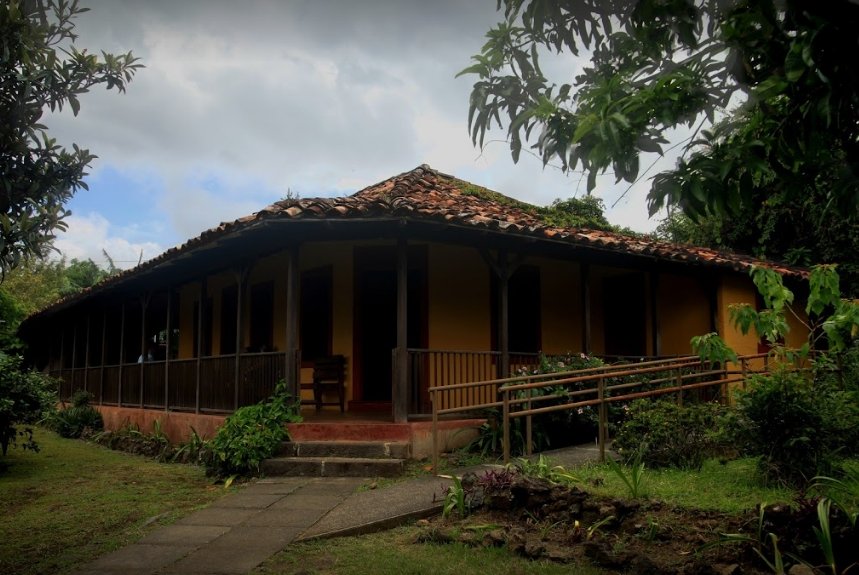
426 194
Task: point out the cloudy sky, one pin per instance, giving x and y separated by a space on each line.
243 102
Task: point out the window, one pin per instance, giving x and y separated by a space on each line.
316 313
262 317
523 310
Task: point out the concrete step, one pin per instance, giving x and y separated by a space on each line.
349 431
355 449
332 467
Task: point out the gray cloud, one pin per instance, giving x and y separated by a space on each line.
314 96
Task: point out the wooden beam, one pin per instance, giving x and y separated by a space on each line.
656 325
144 303
293 285
103 354
503 268
121 354
167 343
201 309
241 276
585 273
504 313
86 351
401 380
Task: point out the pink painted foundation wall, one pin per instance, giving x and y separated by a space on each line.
176 425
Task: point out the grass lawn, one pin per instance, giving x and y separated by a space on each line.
732 487
395 552
74 501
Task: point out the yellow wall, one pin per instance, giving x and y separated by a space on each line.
684 312
734 289
561 296
458 299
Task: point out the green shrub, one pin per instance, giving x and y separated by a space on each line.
25 396
798 426
73 421
252 433
664 434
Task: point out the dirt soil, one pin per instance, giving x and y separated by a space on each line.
541 520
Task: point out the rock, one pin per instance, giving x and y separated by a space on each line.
732 569
642 565
800 569
497 537
534 548
422 522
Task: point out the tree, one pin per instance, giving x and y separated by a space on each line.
658 65
41 69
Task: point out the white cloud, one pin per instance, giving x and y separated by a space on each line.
90 235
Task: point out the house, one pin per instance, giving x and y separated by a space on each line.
422 279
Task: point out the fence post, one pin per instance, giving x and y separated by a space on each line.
434 430
506 415
744 371
603 418
680 387
529 429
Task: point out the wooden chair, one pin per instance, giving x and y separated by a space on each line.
329 374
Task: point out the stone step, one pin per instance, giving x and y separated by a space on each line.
332 467
356 449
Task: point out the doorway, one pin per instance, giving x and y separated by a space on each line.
376 320
625 313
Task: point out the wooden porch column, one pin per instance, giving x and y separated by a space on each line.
103 354
504 313
74 344
712 289
585 272
62 350
656 326
401 375
167 352
121 354
504 269
241 275
144 303
291 366
201 309
86 351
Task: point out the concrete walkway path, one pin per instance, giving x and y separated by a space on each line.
241 530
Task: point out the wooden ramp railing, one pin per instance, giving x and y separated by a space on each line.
529 395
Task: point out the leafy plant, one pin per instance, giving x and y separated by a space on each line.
73 421
762 543
454 498
799 428
543 469
634 479
252 434
664 434
25 396
196 450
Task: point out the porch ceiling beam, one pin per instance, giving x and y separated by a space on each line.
293 284
401 381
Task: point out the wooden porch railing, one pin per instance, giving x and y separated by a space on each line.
445 368
173 385
530 395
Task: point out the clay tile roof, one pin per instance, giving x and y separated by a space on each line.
426 194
